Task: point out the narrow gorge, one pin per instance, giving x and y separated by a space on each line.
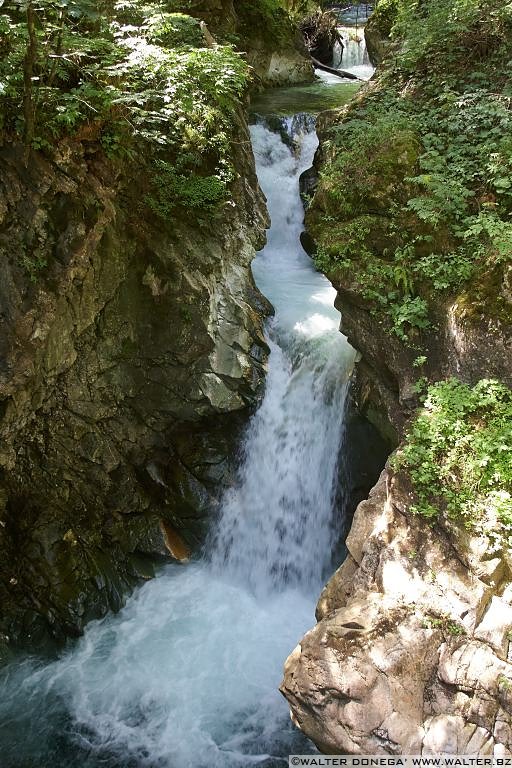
193 456
193 661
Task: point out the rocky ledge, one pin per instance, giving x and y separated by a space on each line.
411 650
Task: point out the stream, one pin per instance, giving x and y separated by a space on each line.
187 674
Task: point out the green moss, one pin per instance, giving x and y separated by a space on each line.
352 185
345 244
265 18
487 298
173 189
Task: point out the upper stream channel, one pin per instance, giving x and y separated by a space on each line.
187 674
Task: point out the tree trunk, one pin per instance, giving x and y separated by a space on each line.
28 85
58 48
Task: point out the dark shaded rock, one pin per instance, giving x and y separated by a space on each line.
308 243
320 31
127 370
308 181
363 453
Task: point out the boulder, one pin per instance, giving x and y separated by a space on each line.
410 653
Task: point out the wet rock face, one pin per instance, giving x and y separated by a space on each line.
128 366
411 650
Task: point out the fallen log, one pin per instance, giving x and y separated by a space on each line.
338 72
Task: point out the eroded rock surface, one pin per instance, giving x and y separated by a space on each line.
411 650
124 367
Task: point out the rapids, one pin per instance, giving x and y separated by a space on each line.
187 674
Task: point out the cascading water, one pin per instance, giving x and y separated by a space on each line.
352 55
186 675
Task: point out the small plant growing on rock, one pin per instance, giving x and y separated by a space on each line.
445 623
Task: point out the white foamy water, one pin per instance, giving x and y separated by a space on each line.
353 56
186 675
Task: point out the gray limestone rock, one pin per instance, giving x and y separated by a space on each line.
410 653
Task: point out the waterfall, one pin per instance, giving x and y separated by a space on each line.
186 675
352 55
277 525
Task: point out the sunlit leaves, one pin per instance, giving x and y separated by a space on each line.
132 70
457 453
449 218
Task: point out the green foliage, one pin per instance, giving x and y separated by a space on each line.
444 623
446 273
429 153
135 76
384 16
457 454
299 9
32 262
460 31
409 313
173 189
175 30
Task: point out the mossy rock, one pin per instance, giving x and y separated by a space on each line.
356 185
490 297
267 19
378 29
351 240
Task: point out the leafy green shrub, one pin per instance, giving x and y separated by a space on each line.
174 30
173 189
428 154
454 32
384 16
457 454
135 77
